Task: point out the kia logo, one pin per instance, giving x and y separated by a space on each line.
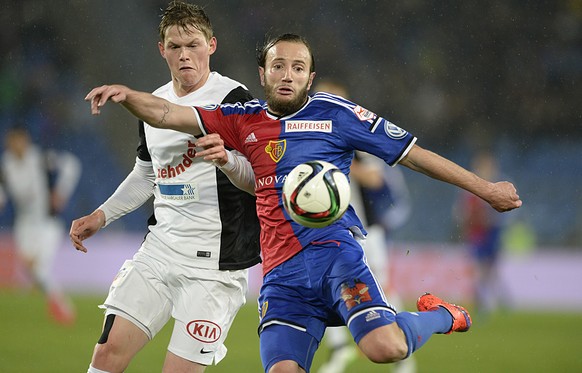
204 330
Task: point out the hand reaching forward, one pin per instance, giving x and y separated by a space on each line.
100 95
85 227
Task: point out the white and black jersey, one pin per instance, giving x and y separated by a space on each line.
199 215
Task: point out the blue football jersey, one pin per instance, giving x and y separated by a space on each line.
327 128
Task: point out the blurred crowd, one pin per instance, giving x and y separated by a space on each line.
504 76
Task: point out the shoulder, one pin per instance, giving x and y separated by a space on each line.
253 106
219 79
164 91
331 101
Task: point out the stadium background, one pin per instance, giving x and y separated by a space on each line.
460 75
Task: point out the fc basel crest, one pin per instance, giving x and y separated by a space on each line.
276 149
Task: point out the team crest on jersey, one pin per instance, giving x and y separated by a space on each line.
276 149
354 294
393 130
364 115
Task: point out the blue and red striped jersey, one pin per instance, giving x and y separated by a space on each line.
327 128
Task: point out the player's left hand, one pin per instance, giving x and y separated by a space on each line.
213 149
504 197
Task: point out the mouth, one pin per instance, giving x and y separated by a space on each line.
186 68
285 91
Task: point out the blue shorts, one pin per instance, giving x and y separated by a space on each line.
328 283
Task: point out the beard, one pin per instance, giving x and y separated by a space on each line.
282 107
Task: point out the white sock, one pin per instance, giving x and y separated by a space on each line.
95 370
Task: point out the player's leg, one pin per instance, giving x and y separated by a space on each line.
293 314
37 247
37 243
206 302
286 349
120 340
382 335
412 328
377 250
138 306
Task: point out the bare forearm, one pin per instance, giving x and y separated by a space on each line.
154 110
161 113
437 167
502 195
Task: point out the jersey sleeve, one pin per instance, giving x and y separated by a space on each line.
366 131
224 120
133 192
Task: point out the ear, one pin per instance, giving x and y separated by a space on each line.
262 75
212 44
162 49
311 78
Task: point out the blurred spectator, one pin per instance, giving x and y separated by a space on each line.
481 229
39 184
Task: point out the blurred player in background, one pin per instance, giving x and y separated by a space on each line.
315 278
203 235
381 199
481 230
39 184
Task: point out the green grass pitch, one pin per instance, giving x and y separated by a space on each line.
506 342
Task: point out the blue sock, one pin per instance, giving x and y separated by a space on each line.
419 326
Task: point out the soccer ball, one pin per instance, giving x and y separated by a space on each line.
316 193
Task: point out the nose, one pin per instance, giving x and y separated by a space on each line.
288 76
183 54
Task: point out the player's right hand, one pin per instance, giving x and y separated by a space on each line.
85 227
504 197
100 95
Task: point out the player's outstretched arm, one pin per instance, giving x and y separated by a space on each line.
156 111
502 196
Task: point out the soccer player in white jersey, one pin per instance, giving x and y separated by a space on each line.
39 183
203 235
316 277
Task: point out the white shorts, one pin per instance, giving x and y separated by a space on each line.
203 302
39 239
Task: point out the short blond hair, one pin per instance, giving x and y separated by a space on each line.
184 15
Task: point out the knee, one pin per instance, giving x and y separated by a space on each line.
286 366
384 347
109 357
387 352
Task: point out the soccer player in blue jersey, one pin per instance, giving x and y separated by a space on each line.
314 278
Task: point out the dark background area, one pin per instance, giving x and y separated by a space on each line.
460 75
